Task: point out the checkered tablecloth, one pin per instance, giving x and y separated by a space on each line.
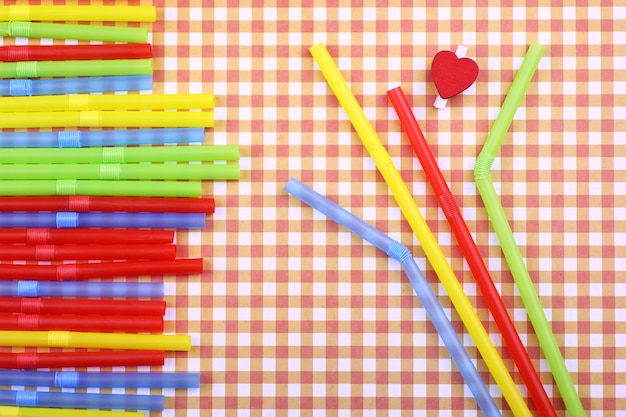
296 316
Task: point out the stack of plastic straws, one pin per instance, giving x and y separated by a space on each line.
93 203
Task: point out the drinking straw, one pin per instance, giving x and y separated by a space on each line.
72 220
93 340
23 398
82 289
14 53
77 306
503 231
420 228
101 188
34 360
120 155
12 411
106 119
20 88
78 272
82 323
86 138
115 172
27 12
72 31
81 236
75 68
129 204
471 252
85 252
101 379
400 253
88 102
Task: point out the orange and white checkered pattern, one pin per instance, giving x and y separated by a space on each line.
297 316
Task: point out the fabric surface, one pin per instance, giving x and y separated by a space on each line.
295 316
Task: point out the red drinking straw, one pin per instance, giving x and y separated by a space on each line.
32 360
74 52
83 252
81 323
28 305
82 203
85 236
471 253
77 272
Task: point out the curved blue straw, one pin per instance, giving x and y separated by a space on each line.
423 291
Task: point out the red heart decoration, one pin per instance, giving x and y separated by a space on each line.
451 74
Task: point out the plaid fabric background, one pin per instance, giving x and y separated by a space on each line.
296 316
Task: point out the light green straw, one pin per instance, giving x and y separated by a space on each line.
119 154
505 235
119 171
102 188
77 68
72 31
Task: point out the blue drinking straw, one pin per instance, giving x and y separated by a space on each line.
73 220
82 289
88 138
82 400
423 291
56 86
101 379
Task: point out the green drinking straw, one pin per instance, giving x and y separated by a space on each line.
101 188
119 171
77 68
73 31
505 235
119 154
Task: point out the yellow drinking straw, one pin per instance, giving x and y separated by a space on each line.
25 13
83 102
90 340
106 118
426 238
12 411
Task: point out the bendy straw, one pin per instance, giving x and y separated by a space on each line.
99 220
89 102
81 203
84 271
420 228
503 231
67 400
120 155
423 291
34 360
115 172
109 137
471 252
82 289
117 13
29 88
12 411
75 306
74 32
43 236
75 68
107 118
82 323
101 188
86 252
15 53
94 340
101 379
